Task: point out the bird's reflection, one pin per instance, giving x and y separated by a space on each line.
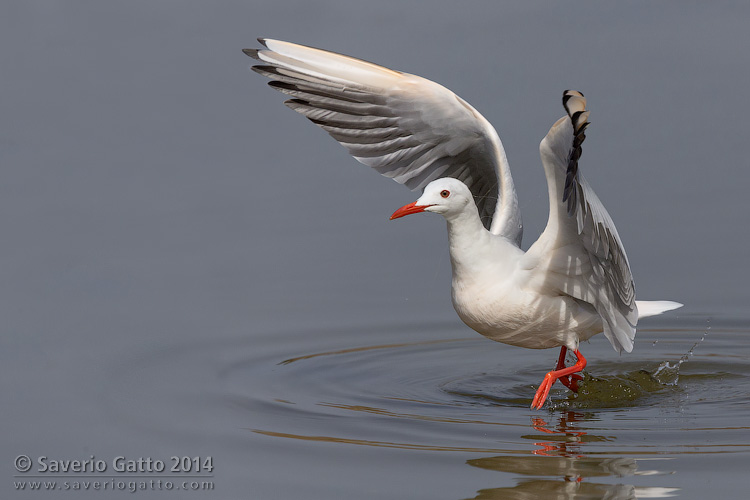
560 453
564 439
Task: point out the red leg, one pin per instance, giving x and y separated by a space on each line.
561 359
541 394
566 381
571 381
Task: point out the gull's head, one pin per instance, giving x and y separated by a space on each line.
447 197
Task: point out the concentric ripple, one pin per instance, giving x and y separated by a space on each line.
439 389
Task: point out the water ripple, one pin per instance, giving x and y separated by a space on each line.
430 390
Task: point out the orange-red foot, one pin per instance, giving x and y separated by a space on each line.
571 381
562 373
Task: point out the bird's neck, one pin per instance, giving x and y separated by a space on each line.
473 250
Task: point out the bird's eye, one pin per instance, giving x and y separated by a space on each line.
445 193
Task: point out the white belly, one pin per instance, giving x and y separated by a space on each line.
521 318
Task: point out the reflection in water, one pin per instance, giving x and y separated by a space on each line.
392 397
535 489
564 440
421 405
560 454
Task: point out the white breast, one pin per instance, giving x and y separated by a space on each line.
506 313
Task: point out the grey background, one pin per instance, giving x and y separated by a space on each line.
153 191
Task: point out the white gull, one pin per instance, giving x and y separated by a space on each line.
572 283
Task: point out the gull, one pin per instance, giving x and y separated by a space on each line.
571 284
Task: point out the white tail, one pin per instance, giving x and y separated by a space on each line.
648 308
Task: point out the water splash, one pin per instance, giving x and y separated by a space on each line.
621 390
668 373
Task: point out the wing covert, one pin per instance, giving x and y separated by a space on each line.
585 256
405 127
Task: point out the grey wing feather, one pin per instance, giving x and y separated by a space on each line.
581 226
406 127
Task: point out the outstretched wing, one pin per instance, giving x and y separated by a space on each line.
580 248
406 127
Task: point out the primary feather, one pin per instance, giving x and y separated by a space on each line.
572 283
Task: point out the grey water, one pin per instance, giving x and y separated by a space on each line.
190 270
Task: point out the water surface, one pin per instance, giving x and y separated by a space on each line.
456 407
190 269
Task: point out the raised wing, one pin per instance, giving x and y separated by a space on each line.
580 247
406 127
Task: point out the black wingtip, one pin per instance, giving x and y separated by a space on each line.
570 92
282 85
262 41
267 71
568 95
251 53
